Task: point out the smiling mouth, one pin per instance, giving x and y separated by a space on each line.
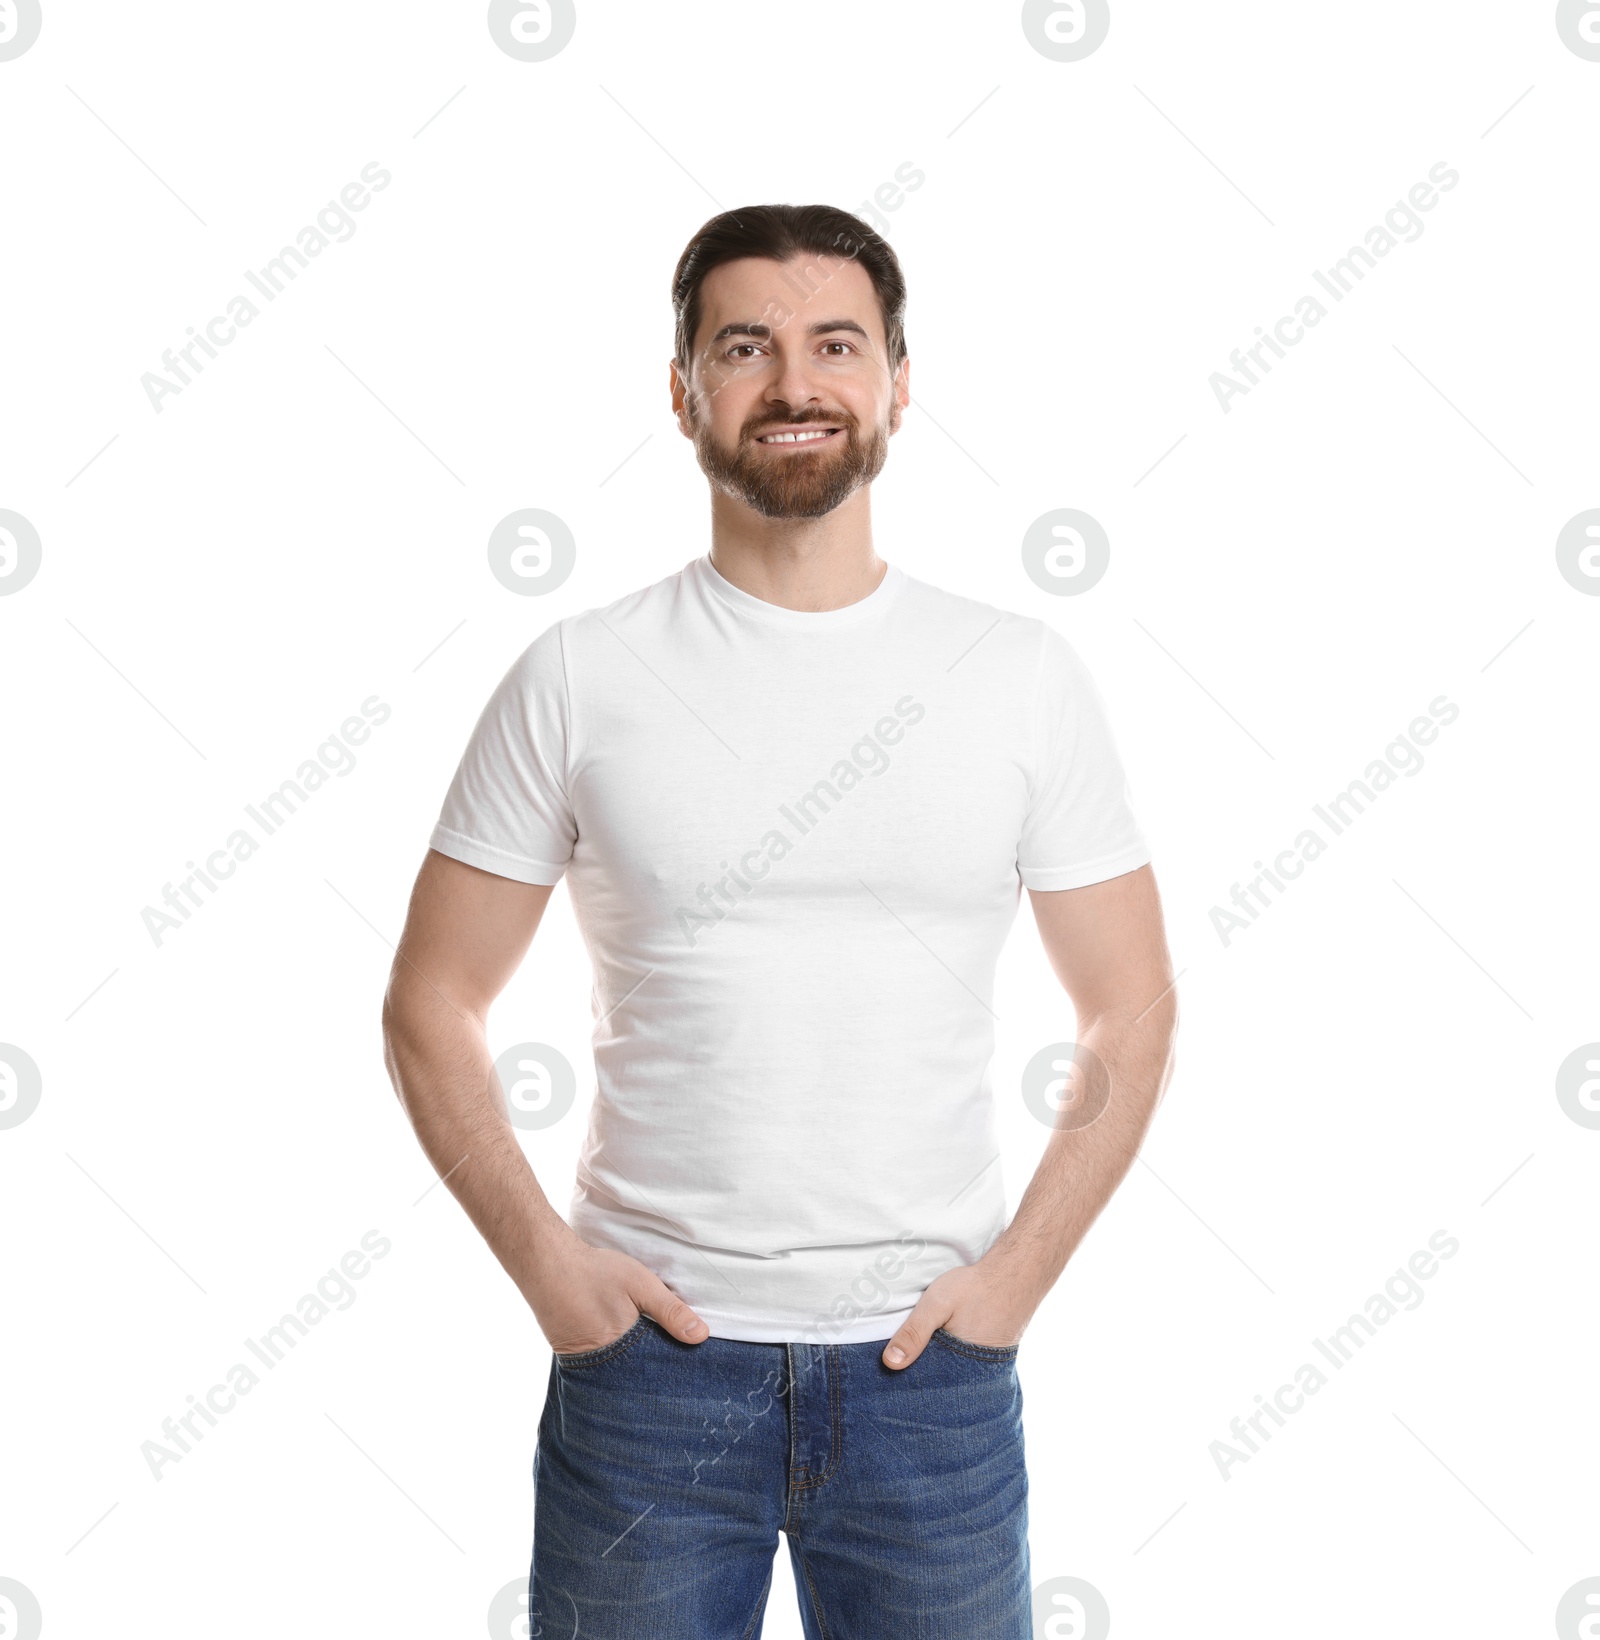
799 437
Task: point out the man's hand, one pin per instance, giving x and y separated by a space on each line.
989 1302
589 1296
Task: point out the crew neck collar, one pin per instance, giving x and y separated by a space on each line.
809 620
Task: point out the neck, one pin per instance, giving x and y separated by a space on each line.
797 563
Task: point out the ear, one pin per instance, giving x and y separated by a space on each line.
902 394
680 399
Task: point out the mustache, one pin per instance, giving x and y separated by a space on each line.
757 426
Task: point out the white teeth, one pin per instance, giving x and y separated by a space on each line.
794 438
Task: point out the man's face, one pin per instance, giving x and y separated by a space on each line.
786 349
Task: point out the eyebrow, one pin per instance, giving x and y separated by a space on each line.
763 332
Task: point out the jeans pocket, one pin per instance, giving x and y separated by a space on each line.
593 1358
1001 1354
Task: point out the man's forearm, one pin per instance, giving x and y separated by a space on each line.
1082 1166
439 1062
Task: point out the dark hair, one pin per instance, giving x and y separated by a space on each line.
780 232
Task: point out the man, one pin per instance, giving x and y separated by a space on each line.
796 794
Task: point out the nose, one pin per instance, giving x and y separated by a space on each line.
794 384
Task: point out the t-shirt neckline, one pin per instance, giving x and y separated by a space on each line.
809 620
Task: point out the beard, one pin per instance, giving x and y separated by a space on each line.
797 484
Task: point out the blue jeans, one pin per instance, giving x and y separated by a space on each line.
665 1472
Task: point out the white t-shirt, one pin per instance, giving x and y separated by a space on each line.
795 842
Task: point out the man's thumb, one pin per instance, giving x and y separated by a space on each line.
661 1304
913 1334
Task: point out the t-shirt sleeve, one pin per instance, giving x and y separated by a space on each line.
507 810
1079 827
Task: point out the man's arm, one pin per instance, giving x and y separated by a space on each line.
1108 947
465 934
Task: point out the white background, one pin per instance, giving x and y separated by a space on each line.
1368 529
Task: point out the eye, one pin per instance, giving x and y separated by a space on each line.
740 347
845 345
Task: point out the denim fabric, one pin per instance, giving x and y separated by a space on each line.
665 1472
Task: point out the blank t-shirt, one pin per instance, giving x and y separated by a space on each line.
795 842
